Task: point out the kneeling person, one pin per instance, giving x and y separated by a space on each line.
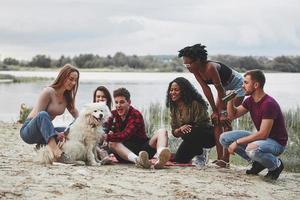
127 136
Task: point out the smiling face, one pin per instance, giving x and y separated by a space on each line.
122 106
190 64
100 96
71 81
95 113
175 92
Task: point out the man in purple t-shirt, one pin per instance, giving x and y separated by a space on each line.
262 147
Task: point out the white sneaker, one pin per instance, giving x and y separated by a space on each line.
163 158
143 160
201 160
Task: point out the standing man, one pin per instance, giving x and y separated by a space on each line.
265 145
127 136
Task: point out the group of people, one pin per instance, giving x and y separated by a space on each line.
190 120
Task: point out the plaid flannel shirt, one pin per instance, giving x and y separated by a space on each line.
132 127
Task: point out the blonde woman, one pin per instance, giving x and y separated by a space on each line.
52 101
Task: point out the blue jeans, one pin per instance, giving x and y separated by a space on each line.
39 129
265 153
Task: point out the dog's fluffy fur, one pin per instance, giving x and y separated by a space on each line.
84 134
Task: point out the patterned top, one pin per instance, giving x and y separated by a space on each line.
194 114
132 128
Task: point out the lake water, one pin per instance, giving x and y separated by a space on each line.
145 88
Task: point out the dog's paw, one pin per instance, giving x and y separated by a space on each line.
106 161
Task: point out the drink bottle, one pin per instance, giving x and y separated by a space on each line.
230 95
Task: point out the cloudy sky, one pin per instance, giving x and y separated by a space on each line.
142 27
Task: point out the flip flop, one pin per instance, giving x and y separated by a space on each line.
222 164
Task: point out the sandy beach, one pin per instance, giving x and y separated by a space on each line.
22 178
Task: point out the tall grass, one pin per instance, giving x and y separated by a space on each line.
158 116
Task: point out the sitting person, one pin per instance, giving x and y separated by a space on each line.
189 120
264 145
53 100
101 94
127 136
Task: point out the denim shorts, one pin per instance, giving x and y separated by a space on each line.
236 83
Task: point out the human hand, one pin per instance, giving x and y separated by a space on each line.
232 148
185 129
215 118
60 136
225 121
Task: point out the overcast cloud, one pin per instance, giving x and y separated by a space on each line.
141 27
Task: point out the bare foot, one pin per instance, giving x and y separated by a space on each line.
54 148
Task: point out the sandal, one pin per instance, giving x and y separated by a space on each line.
222 163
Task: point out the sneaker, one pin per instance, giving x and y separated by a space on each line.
143 160
162 159
255 169
275 173
201 160
65 158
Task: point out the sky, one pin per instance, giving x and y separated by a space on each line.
148 27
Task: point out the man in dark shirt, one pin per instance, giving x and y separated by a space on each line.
127 136
265 145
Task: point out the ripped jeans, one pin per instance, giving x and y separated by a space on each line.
265 153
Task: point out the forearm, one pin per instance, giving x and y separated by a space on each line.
120 136
177 133
209 96
231 109
74 113
221 94
251 138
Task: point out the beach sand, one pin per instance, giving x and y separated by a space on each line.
22 178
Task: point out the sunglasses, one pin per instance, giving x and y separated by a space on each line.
189 64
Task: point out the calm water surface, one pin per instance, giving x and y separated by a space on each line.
145 88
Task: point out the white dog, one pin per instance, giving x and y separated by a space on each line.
84 134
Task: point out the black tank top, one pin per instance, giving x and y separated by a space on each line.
225 73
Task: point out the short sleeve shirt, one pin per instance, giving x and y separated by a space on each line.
268 108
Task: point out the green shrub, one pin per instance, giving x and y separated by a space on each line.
24 112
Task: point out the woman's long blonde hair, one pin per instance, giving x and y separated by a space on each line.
63 75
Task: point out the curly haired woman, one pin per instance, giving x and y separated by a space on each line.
189 120
223 78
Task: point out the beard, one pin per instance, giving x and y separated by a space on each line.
248 93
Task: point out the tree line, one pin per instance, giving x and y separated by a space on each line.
161 63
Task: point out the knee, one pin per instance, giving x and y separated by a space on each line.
43 114
162 133
224 140
251 150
